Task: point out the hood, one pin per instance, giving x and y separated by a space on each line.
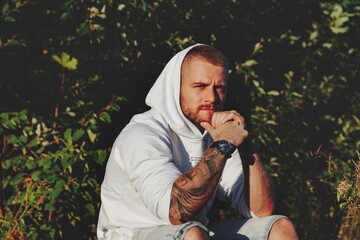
164 97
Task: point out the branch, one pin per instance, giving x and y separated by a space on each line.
91 114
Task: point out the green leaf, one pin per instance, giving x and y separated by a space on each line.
78 134
11 139
101 157
23 116
56 58
65 57
14 121
35 175
23 139
59 186
90 208
121 7
5 8
65 61
83 28
30 164
65 16
72 64
258 46
68 137
271 122
6 164
4 116
93 183
69 112
121 98
50 207
104 116
115 107
249 63
9 19
341 20
297 94
273 93
143 5
65 163
338 30
33 142
91 135
337 11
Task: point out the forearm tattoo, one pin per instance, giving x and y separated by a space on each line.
194 188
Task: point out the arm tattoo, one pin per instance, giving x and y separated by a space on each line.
194 188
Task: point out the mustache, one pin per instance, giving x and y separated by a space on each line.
208 106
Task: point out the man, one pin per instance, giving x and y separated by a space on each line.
169 164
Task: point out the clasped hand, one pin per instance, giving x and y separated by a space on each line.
227 125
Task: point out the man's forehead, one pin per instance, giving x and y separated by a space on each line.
200 61
218 82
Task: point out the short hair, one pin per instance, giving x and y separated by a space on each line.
207 53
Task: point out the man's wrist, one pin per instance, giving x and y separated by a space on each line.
224 147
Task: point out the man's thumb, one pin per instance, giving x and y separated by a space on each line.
207 126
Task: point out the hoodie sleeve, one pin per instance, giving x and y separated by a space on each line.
231 187
146 157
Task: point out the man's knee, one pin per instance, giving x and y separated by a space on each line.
283 229
196 233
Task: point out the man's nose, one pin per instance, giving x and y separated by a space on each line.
210 95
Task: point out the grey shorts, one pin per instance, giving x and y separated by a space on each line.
244 228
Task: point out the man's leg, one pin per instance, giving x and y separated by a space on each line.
283 229
247 228
196 233
187 231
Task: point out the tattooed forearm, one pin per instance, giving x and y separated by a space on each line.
193 189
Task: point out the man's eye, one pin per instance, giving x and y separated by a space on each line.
221 88
199 86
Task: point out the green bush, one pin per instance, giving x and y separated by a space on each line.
50 182
306 123
294 72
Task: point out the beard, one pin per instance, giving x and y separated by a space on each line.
201 113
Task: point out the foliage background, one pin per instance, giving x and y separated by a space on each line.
74 72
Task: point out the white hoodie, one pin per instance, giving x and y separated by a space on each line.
150 153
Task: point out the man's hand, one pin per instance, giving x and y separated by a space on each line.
219 118
227 126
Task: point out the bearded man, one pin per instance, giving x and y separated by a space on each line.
169 164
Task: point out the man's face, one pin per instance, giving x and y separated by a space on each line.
203 90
